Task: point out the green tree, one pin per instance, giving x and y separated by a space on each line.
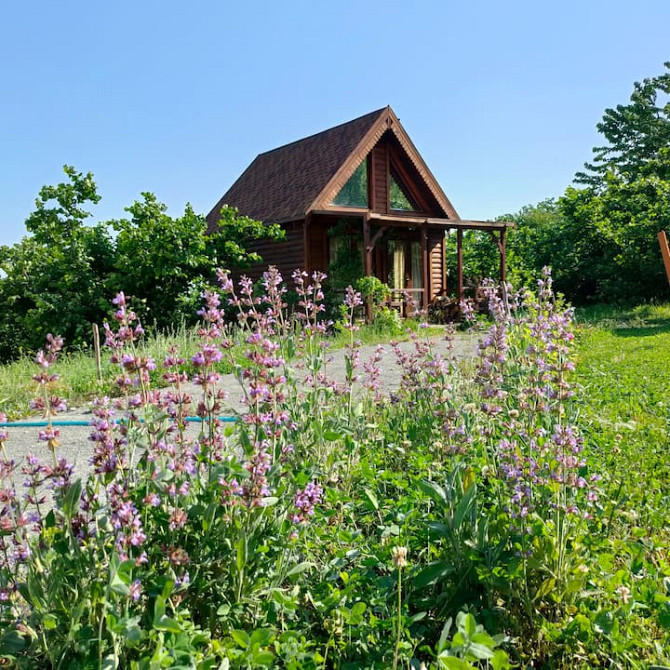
164 263
62 275
54 278
637 134
615 218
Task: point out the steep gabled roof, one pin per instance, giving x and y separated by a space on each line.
286 183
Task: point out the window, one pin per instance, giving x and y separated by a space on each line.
355 192
398 198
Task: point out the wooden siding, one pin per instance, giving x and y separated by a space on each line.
379 179
318 245
436 263
286 255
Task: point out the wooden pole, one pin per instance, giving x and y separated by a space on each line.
665 251
424 260
367 247
503 256
96 347
459 263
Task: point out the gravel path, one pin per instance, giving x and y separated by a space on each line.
76 448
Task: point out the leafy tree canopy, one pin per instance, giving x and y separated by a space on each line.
61 276
637 134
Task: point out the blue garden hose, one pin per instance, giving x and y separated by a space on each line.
41 424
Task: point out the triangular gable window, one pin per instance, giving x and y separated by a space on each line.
399 200
355 192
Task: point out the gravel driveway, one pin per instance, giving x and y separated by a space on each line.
76 448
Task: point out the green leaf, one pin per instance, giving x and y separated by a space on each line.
49 621
121 577
546 587
371 498
466 624
241 638
480 651
432 573
270 501
439 530
168 625
110 662
261 636
70 503
500 660
241 556
463 507
161 621
444 635
264 658
358 609
299 568
605 623
12 643
452 663
433 490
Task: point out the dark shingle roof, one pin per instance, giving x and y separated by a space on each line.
281 184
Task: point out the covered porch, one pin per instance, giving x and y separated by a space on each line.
405 252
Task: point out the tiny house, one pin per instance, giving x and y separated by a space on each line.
367 174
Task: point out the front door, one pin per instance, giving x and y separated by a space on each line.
404 269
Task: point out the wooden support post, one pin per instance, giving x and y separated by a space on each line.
367 256
424 261
503 256
665 251
367 248
459 263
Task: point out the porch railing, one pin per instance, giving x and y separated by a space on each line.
402 299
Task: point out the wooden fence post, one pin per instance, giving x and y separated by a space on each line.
96 346
665 250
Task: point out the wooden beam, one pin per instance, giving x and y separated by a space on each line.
503 256
376 237
665 251
424 261
366 246
459 263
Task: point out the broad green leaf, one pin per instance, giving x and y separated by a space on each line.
463 507
241 638
70 503
438 530
371 498
264 658
480 651
11 643
432 573
453 663
605 623
299 568
241 556
433 490
261 636
444 635
546 587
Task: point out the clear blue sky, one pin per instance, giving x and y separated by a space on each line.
501 98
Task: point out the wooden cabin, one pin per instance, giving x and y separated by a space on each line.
367 176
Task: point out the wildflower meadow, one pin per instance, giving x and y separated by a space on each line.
484 514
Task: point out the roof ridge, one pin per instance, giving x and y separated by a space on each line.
323 132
